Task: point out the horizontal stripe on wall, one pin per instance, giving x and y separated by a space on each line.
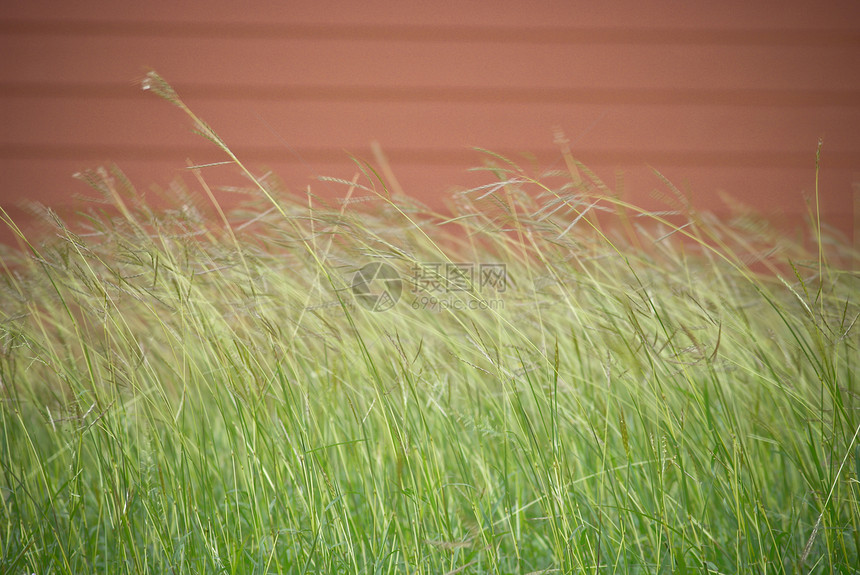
429 156
661 36
150 121
731 14
430 93
773 190
284 62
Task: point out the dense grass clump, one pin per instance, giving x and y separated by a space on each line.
631 392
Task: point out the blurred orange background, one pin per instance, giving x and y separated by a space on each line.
719 97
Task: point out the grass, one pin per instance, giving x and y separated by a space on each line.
654 393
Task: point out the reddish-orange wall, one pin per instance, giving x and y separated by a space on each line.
718 96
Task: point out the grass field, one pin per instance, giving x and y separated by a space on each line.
566 384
